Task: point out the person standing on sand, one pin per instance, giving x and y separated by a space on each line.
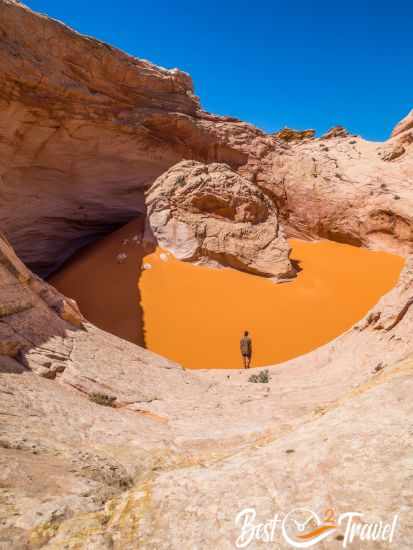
246 349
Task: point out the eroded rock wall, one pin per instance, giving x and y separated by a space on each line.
84 129
342 188
177 455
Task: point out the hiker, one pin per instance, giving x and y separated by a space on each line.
246 349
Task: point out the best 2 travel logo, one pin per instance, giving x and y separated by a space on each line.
303 528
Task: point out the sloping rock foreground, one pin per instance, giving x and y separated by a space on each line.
105 445
209 214
177 454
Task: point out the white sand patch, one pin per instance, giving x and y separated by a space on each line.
120 258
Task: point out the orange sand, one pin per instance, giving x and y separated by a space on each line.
195 315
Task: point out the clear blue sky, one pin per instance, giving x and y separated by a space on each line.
297 63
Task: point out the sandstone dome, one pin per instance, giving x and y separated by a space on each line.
210 214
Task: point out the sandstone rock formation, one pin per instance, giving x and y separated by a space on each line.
81 142
31 312
179 454
341 189
404 126
336 131
80 122
393 152
289 134
210 214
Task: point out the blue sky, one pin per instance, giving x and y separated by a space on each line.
297 63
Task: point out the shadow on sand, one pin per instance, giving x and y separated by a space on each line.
103 278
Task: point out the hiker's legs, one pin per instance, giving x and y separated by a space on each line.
245 359
248 362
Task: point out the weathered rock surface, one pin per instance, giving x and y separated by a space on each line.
210 214
82 122
81 141
289 134
393 152
179 454
336 131
404 125
341 189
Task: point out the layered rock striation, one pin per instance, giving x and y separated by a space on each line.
105 445
207 213
84 129
82 141
404 129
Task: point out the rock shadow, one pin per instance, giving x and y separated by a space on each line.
296 265
103 278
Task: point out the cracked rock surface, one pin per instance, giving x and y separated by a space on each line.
179 451
207 213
